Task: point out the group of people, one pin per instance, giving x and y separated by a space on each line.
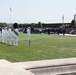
9 37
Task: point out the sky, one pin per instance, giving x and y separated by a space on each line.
34 11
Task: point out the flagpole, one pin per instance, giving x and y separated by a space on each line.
10 18
63 27
10 15
63 19
75 20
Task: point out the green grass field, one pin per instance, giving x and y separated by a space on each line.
42 47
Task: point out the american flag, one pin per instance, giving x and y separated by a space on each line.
75 17
63 18
10 9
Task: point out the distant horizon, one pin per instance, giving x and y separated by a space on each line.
35 23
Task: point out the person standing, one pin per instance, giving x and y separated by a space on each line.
15 41
48 30
28 34
63 29
6 34
3 35
9 36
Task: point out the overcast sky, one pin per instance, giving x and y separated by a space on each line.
33 11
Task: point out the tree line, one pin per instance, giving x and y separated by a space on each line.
39 24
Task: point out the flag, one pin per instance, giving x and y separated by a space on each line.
63 18
75 17
10 9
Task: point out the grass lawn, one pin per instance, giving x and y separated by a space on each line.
42 47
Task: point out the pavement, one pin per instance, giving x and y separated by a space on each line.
66 66
51 67
7 68
68 34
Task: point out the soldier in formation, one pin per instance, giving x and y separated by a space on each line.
9 37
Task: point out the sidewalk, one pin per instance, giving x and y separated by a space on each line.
51 67
66 66
7 68
68 34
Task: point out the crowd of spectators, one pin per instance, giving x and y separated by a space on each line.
63 29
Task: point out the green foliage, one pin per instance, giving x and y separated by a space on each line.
42 47
34 25
40 25
73 22
3 24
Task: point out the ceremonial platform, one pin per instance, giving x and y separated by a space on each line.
65 66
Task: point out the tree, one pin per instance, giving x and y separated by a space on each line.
40 25
3 24
73 23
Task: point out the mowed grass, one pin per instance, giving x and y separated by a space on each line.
42 47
